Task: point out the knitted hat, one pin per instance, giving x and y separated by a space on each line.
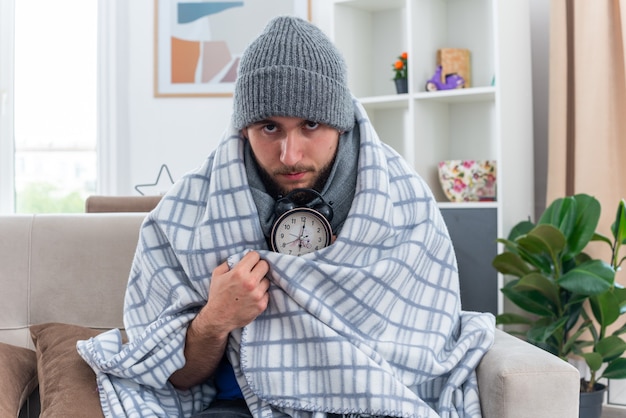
292 69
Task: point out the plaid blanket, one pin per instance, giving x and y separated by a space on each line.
369 326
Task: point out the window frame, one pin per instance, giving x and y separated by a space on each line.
7 146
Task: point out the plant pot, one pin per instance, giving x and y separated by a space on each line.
402 85
590 405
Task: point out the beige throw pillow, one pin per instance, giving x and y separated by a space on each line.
67 385
18 366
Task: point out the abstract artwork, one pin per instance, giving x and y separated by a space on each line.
198 44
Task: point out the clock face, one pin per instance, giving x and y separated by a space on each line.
300 231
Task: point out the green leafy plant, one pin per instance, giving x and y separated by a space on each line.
554 281
400 67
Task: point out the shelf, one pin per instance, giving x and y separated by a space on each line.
467 205
485 121
473 94
371 5
398 101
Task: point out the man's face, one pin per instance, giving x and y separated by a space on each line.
293 152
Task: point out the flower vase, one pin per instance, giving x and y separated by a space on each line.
402 85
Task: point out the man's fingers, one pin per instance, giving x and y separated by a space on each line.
247 263
221 269
265 282
253 263
260 269
250 259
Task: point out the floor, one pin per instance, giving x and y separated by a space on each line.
616 396
613 412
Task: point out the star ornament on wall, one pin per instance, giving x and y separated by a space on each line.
160 186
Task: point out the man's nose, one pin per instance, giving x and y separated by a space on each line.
291 152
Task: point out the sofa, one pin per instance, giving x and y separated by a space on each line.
63 278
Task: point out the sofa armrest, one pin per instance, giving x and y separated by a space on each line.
517 379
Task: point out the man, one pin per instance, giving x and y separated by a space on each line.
222 321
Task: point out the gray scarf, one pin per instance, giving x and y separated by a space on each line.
338 191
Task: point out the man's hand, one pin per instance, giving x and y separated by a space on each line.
236 297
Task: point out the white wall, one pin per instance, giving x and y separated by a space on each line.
179 132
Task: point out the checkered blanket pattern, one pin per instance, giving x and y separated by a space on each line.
369 326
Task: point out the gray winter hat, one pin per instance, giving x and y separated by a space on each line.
292 69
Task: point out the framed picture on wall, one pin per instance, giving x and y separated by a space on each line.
198 43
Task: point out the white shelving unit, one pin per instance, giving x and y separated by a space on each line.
492 119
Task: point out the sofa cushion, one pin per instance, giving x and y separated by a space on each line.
19 378
67 385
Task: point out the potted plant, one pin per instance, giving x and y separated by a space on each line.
569 298
400 69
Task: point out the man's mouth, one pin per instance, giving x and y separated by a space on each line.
295 176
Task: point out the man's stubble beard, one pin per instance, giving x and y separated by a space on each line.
275 190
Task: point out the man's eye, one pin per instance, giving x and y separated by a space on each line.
311 125
269 128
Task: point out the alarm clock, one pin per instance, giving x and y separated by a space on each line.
302 223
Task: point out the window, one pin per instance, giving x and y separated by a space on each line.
54 105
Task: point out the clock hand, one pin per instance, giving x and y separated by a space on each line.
302 236
297 237
291 242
